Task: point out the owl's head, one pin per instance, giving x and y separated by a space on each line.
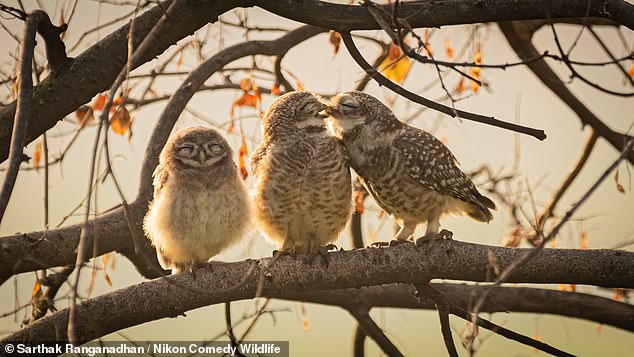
353 109
292 113
196 147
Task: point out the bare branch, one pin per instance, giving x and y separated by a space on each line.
356 55
371 329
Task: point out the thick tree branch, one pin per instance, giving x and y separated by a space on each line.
347 269
60 96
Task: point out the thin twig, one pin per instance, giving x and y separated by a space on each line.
371 329
503 277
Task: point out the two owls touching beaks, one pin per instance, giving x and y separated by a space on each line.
303 193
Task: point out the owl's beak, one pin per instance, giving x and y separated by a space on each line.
201 157
331 110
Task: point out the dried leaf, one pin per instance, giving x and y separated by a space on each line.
619 187
108 280
618 295
99 103
359 198
246 84
631 71
513 238
37 156
246 100
302 309
448 48
380 214
335 41
276 89
572 288
562 287
84 115
584 239
37 288
395 67
231 127
104 261
475 71
553 243
120 122
179 63
300 86
460 87
242 160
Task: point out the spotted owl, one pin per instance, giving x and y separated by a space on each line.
409 173
200 204
303 192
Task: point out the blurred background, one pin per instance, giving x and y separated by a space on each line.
514 94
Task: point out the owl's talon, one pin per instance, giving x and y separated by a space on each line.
379 244
330 247
395 242
442 235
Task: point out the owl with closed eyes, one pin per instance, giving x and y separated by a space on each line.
200 204
303 192
409 173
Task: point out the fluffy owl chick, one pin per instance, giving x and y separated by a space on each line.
303 193
408 172
200 204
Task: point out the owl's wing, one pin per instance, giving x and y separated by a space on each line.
160 177
257 157
428 161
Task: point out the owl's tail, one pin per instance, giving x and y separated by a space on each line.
481 212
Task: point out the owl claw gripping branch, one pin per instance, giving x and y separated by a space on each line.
409 173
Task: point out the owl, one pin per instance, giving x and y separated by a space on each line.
409 173
200 204
303 192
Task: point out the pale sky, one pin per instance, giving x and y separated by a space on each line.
543 165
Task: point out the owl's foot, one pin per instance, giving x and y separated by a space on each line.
395 242
442 235
288 251
380 244
323 253
330 247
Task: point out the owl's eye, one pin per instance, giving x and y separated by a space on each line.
185 150
350 105
215 148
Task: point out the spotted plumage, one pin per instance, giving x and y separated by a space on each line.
410 174
302 178
200 204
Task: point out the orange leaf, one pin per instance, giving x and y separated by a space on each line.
100 102
108 280
380 214
631 71
448 48
553 243
302 309
246 84
37 288
359 197
241 160
460 86
300 86
396 70
231 126
618 295
394 52
572 287
562 287
246 100
584 239
335 41
120 122
84 115
276 89
37 156
104 261
115 103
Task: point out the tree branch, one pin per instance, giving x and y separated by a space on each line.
356 55
519 35
54 99
347 269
